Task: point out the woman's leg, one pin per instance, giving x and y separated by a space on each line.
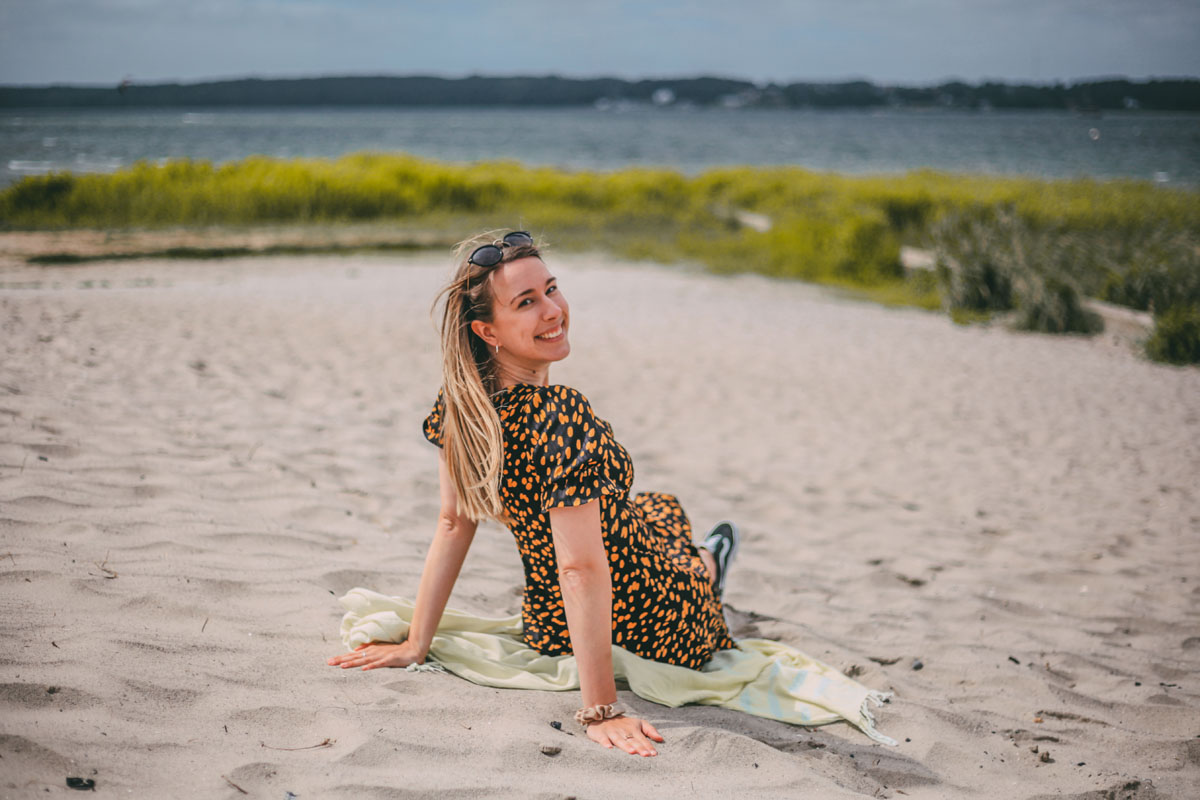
710 564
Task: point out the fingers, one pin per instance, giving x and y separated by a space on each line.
375 661
652 732
374 655
341 659
625 743
636 744
346 660
627 734
620 741
361 656
601 739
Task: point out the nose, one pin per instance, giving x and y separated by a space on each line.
551 311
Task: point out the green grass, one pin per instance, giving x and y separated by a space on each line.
1176 337
1016 244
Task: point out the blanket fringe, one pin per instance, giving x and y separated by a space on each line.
425 668
876 698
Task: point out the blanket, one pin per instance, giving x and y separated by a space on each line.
762 677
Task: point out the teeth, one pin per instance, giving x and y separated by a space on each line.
554 334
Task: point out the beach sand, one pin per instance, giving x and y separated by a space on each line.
198 457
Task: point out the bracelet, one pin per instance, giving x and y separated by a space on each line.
599 713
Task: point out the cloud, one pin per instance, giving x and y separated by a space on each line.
915 41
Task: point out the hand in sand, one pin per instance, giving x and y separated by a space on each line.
630 734
374 655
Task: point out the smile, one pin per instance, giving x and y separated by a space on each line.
551 336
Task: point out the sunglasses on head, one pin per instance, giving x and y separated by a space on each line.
489 255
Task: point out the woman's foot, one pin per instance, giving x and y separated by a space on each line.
722 542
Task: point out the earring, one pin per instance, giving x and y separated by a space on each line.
497 349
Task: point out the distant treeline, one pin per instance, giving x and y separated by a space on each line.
1173 95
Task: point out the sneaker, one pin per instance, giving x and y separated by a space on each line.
722 542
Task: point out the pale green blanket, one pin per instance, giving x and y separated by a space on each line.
762 677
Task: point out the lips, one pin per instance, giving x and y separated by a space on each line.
551 335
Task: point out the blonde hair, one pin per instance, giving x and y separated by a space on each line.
472 438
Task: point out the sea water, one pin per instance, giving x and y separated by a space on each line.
1161 147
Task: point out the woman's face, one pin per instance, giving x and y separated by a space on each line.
530 316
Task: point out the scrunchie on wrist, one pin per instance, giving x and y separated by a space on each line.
599 713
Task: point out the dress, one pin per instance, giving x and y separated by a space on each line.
557 453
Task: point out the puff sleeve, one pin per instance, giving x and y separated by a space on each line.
570 450
432 426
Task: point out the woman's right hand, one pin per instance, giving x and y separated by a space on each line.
374 655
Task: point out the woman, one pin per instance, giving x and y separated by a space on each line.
601 568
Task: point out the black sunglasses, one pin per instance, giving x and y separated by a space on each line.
489 255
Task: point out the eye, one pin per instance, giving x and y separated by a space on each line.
526 301
552 288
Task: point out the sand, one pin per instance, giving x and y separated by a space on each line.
197 458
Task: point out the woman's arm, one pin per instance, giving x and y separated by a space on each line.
586 583
451 541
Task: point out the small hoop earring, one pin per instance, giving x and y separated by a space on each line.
497 349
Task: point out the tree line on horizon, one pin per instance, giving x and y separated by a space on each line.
1182 94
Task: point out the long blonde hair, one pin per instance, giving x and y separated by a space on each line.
472 438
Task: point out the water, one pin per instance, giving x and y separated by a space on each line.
1153 146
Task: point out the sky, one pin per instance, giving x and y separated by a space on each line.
911 42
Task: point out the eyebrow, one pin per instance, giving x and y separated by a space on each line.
549 281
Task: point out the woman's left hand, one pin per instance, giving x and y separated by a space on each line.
630 734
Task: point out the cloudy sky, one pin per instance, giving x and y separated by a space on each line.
888 41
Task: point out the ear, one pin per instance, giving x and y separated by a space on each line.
484 331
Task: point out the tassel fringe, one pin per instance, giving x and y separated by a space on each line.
867 726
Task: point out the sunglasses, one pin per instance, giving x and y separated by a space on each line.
489 255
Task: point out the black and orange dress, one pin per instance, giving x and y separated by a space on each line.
557 453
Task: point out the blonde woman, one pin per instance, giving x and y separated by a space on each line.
601 567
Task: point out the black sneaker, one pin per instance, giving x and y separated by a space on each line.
722 542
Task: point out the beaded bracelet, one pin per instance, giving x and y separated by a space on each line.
599 713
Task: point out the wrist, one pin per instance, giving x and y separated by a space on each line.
591 715
598 691
420 645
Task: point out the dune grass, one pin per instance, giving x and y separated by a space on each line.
1004 244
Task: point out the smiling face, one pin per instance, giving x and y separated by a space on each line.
529 321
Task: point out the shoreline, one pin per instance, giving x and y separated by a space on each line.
84 245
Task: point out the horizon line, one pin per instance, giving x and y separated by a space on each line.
551 75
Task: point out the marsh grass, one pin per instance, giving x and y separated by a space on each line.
990 260
1028 247
1176 337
